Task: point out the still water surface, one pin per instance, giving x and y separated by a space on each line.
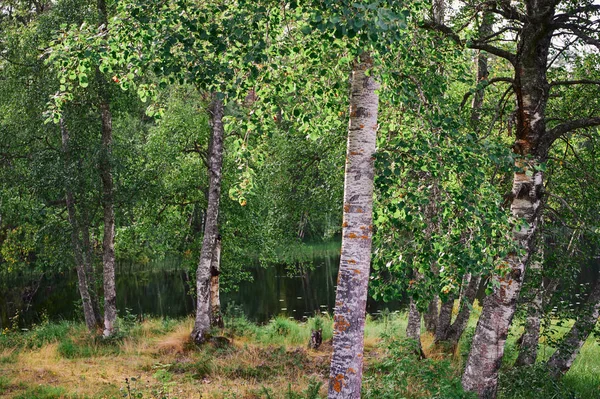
163 290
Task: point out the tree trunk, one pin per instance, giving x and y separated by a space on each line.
567 351
216 319
531 88
439 11
431 316
88 260
530 338
351 296
108 243
413 328
485 30
470 285
82 281
444 319
203 274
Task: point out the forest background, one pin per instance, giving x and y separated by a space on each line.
217 132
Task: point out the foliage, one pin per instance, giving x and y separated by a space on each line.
403 375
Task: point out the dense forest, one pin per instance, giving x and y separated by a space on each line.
442 153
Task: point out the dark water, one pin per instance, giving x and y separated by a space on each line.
163 290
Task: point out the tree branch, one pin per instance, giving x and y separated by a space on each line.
575 82
567 127
489 83
575 30
507 55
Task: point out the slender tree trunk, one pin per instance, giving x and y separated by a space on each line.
444 319
108 243
439 11
431 316
562 360
88 311
413 328
470 287
88 260
351 296
203 274
485 30
531 88
216 320
535 311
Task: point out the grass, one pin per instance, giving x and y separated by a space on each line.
154 359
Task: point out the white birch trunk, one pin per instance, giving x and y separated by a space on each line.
203 274
351 296
413 328
531 89
216 320
108 243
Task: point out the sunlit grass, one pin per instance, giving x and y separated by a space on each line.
63 361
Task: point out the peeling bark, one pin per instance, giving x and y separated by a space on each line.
531 88
203 274
562 360
82 281
345 375
216 320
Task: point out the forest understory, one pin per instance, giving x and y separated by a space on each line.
155 359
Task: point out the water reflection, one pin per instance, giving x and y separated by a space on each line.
163 290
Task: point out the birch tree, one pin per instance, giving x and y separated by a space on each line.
536 22
351 294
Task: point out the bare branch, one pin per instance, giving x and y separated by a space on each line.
576 30
567 127
507 55
575 82
489 83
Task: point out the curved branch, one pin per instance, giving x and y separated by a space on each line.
507 55
567 127
489 83
575 82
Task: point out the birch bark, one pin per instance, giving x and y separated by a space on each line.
108 242
203 274
351 296
216 320
413 328
531 88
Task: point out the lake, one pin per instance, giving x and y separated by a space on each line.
162 289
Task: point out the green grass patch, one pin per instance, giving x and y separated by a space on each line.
45 392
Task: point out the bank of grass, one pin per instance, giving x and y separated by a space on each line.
154 359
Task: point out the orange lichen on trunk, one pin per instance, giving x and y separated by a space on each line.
338 382
341 324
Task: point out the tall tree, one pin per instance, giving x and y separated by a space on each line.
80 264
536 24
108 241
202 322
345 375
